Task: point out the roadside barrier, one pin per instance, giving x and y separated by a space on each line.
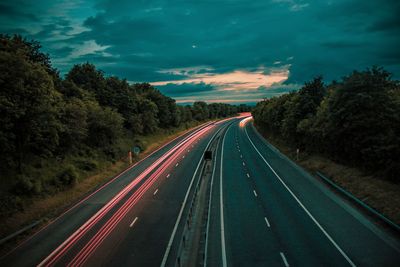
359 202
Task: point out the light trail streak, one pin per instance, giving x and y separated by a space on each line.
62 249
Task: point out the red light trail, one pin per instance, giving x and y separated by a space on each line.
96 240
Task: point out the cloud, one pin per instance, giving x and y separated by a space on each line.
13 12
186 89
293 4
88 47
188 92
231 50
342 44
234 97
235 80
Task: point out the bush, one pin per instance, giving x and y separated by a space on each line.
24 185
68 177
9 204
37 187
87 164
28 186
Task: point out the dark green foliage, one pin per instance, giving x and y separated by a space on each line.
149 112
87 164
104 126
200 111
302 106
74 117
30 49
68 176
355 121
24 185
28 107
9 204
87 77
47 122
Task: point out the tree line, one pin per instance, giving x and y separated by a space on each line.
355 121
84 116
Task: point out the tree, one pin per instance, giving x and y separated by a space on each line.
28 107
74 117
149 112
87 77
302 106
200 111
363 120
104 126
355 121
30 49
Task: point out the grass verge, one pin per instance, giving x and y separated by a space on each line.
382 195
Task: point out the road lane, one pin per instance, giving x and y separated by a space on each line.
295 234
81 252
46 240
276 214
248 240
364 242
146 245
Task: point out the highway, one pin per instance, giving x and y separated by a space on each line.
276 214
128 220
263 210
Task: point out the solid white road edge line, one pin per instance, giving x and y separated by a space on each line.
302 206
221 203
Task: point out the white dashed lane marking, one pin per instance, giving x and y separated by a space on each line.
133 222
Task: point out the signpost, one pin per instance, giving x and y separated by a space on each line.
130 157
135 150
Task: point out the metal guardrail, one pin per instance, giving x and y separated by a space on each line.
26 228
188 222
359 202
190 216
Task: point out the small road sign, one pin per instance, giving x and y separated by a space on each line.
136 150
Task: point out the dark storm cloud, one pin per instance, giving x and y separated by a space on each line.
12 11
140 73
186 89
164 41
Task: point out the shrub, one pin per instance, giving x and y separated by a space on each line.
9 204
24 185
68 176
37 187
87 164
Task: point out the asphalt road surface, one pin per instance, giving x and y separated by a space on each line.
276 214
264 211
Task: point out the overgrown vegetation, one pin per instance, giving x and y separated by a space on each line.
355 121
56 131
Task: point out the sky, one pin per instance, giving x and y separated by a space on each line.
231 51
